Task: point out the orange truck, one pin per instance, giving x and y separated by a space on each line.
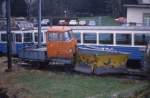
61 47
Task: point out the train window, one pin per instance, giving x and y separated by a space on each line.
124 39
141 39
3 37
28 37
18 37
36 37
106 38
89 38
78 37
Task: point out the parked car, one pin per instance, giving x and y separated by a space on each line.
92 23
45 21
82 22
62 22
73 22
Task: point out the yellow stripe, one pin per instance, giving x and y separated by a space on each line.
115 61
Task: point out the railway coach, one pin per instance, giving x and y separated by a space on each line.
20 39
132 40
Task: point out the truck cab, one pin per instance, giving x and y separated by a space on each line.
60 47
60 43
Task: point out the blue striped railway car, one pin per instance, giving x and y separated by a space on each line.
20 39
132 40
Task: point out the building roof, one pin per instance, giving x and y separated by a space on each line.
137 6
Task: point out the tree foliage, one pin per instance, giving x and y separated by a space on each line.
18 8
114 8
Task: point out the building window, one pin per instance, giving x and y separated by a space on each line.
89 38
106 38
146 19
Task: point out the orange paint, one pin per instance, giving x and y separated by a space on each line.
60 43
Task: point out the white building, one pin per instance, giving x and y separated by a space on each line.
144 1
139 14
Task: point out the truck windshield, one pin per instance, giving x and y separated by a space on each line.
59 36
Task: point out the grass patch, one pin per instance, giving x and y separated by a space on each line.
108 21
23 83
62 85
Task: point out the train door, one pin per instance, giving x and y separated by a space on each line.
13 43
35 37
18 42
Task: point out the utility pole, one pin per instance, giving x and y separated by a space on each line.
39 23
8 15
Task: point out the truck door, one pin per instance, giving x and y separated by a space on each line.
16 42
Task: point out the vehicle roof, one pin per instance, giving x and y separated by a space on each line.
58 29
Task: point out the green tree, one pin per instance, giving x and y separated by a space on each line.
115 7
29 4
98 7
